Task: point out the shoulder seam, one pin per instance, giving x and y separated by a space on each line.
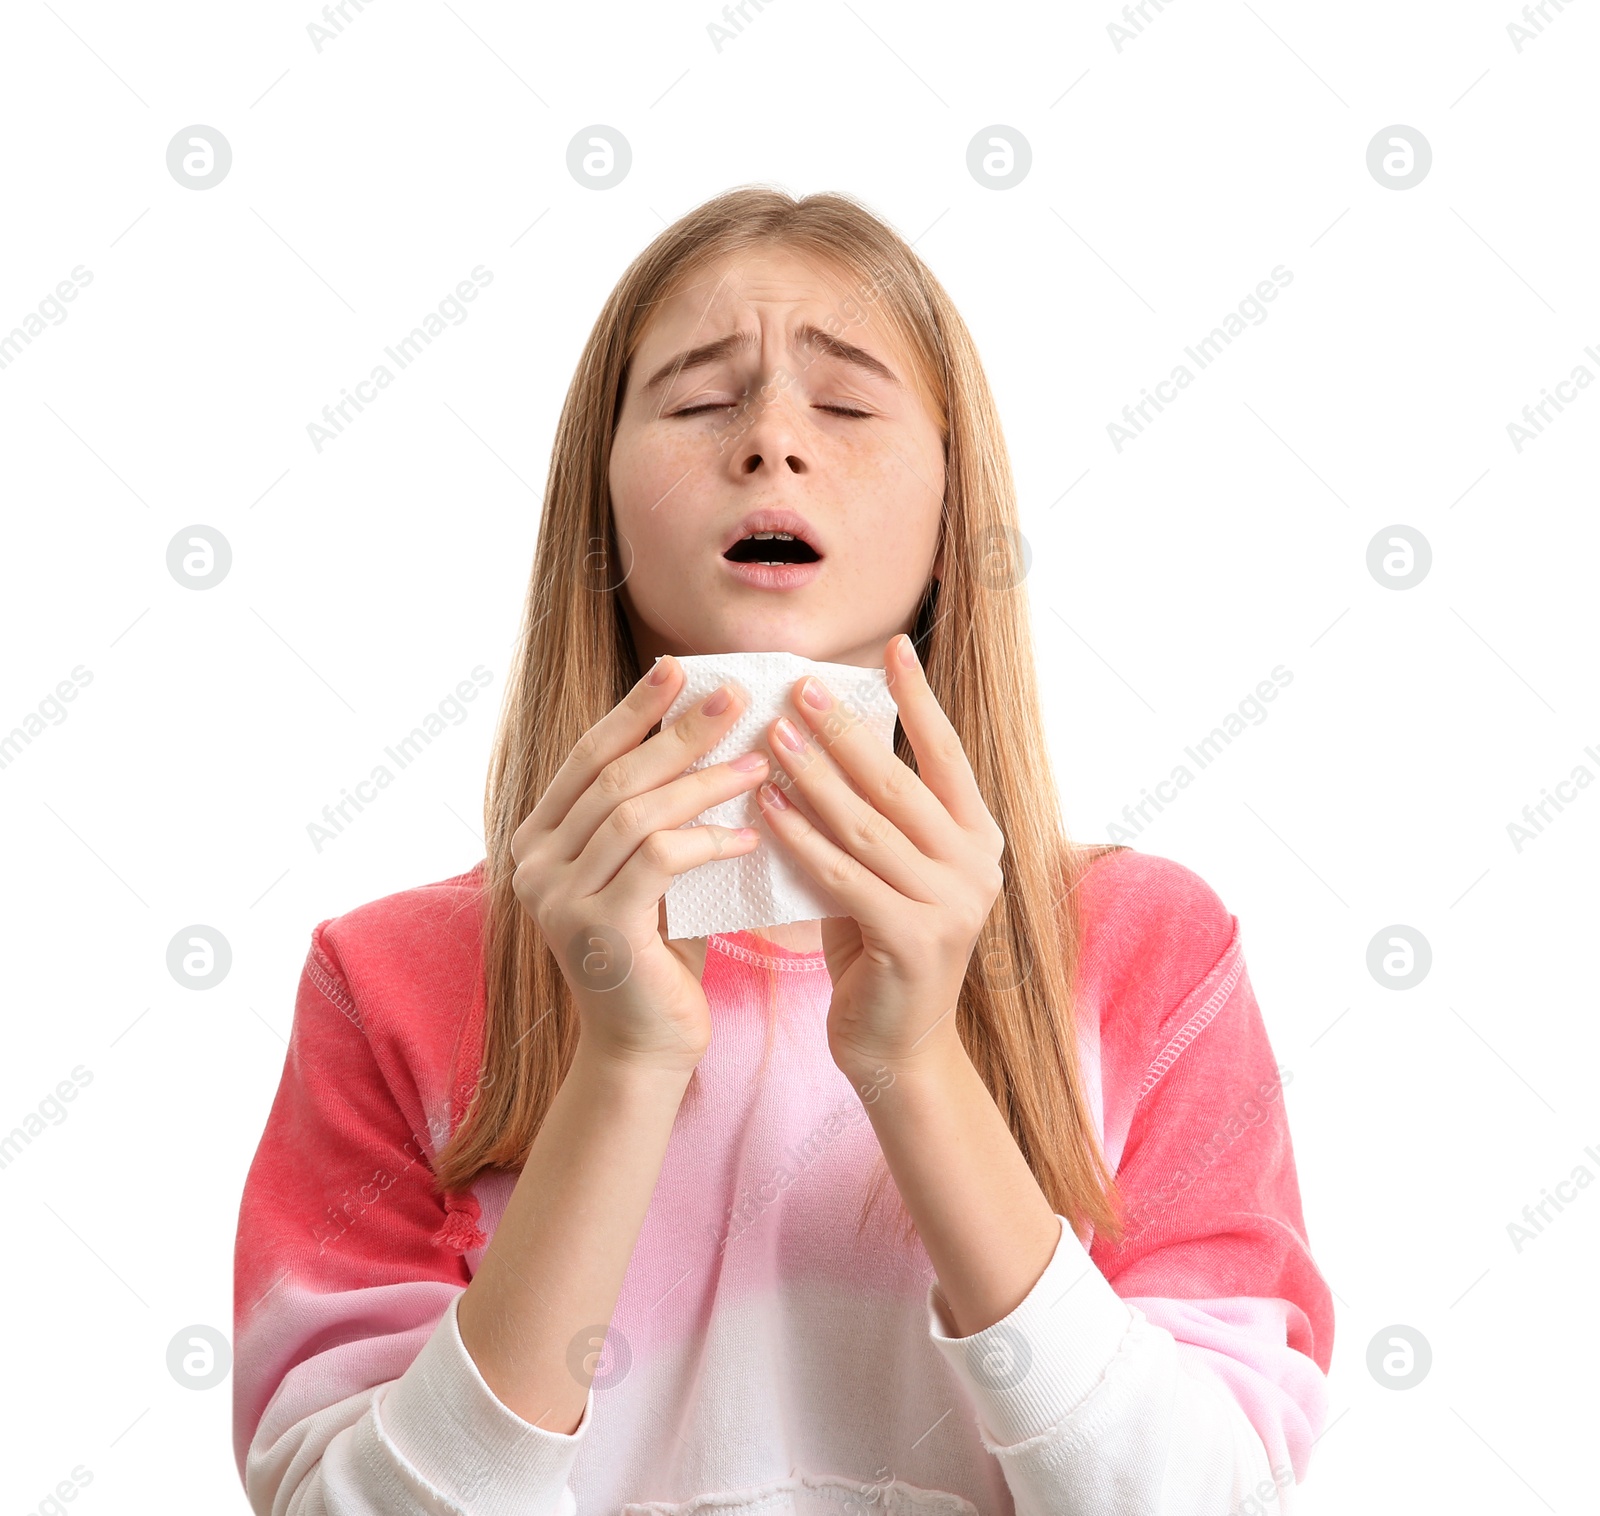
1231 972
323 973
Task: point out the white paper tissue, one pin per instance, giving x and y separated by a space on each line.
766 886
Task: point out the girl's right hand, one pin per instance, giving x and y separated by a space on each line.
597 853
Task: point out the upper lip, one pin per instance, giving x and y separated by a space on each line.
775 520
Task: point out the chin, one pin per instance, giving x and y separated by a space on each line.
773 639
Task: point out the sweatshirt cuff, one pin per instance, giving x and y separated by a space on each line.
443 1420
1033 1368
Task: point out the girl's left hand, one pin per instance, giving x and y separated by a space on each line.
919 870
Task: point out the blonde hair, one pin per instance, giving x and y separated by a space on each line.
576 660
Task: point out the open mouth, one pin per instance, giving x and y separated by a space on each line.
771 547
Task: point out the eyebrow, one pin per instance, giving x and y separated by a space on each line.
806 335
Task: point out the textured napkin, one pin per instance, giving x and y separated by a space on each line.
766 886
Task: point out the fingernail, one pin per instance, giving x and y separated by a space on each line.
748 761
789 736
774 797
815 695
907 653
718 702
663 669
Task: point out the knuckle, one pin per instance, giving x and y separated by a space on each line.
870 830
947 748
525 886
586 749
631 816
896 783
612 780
844 870
656 850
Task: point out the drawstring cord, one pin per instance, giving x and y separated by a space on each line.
460 1231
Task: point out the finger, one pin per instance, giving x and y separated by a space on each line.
621 834
619 731
662 856
889 785
941 759
861 892
848 822
647 765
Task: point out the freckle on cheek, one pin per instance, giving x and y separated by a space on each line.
669 470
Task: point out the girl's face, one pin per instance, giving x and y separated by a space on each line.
769 395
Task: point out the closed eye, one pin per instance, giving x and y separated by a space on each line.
726 405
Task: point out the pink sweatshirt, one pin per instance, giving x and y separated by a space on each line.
762 1357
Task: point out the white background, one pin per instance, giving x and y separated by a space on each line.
1168 579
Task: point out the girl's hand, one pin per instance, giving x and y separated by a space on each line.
595 856
918 869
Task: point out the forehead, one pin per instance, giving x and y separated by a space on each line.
756 286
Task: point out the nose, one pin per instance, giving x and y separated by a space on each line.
767 436
754 460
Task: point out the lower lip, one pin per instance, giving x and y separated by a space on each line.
774 576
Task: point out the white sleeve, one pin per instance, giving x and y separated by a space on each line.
1091 1408
434 1442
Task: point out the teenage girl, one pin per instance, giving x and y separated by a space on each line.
978 1198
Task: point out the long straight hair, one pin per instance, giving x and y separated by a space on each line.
576 659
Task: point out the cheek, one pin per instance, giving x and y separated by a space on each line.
655 479
905 485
